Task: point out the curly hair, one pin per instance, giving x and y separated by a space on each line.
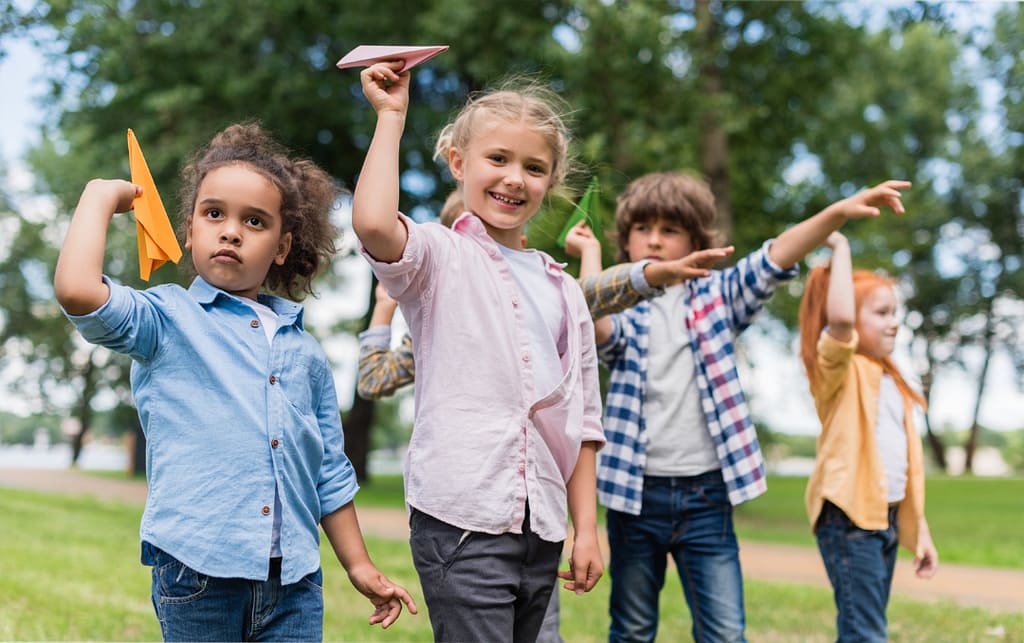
677 197
516 99
307 195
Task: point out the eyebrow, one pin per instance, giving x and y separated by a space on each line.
248 208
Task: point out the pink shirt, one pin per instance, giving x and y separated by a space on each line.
483 440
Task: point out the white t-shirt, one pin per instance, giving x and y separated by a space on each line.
544 314
891 438
268 320
678 442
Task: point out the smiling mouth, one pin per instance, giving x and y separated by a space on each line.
507 200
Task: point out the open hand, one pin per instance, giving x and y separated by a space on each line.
386 597
868 203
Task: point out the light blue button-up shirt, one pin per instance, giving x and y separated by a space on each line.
228 416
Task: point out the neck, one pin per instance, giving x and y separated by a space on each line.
512 239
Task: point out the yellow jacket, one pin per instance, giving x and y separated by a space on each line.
848 470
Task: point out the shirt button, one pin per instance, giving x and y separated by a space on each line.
274 443
515 301
522 467
265 510
526 357
273 380
255 323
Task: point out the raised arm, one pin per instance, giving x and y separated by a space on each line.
580 242
793 245
840 309
78 279
375 201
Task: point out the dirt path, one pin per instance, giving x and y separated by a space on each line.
993 589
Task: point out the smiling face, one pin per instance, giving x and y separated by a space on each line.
658 240
505 173
235 230
877 323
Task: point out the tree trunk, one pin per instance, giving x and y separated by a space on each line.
937 446
972 437
358 422
714 144
84 409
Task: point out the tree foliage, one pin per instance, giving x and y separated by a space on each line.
783 106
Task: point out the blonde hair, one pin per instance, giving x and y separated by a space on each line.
516 100
813 320
676 197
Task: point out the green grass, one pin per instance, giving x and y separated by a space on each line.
69 570
973 520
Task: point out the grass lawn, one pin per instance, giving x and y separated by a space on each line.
69 570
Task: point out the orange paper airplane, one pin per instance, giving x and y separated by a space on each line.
157 243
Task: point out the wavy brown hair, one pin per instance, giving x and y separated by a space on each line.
678 197
307 195
813 320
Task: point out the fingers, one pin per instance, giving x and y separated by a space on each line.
383 71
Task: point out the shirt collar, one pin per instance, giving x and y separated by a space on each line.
470 225
289 312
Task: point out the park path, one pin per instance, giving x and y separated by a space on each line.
993 589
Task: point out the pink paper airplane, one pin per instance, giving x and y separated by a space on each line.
366 55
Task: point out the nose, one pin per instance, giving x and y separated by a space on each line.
514 178
229 233
654 239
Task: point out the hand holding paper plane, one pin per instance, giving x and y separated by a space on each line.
586 210
157 243
366 55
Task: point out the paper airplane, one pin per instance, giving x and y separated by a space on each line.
586 209
157 243
366 55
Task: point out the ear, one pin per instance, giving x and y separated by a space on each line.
455 163
284 246
188 234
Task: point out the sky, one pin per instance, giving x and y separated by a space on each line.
776 383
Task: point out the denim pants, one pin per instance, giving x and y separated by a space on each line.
482 587
194 607
689 518
860 565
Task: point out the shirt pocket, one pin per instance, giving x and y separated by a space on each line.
558 418
299 378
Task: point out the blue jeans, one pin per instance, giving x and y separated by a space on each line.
691 519
194 607
860 565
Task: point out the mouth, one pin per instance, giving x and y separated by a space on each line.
505 199
227 256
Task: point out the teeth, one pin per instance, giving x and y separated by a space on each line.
507 200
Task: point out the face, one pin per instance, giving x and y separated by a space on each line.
235 229
659 240
877 323
505 173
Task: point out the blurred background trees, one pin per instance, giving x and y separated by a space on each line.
784 107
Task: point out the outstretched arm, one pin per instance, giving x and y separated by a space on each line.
840 308
342 530
78 279
375 200
793 245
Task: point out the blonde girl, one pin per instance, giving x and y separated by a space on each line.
866 494
507 402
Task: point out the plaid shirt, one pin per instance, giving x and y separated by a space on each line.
720 308
382 370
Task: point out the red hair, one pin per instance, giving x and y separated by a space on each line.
813 320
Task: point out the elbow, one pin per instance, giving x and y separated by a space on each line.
76 298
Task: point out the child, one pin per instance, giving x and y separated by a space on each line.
507 402
382 370
681 446
245 455
866 494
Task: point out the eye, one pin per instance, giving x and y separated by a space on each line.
214 213
496 157
254 221
539 170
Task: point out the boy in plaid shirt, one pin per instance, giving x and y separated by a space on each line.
681 448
